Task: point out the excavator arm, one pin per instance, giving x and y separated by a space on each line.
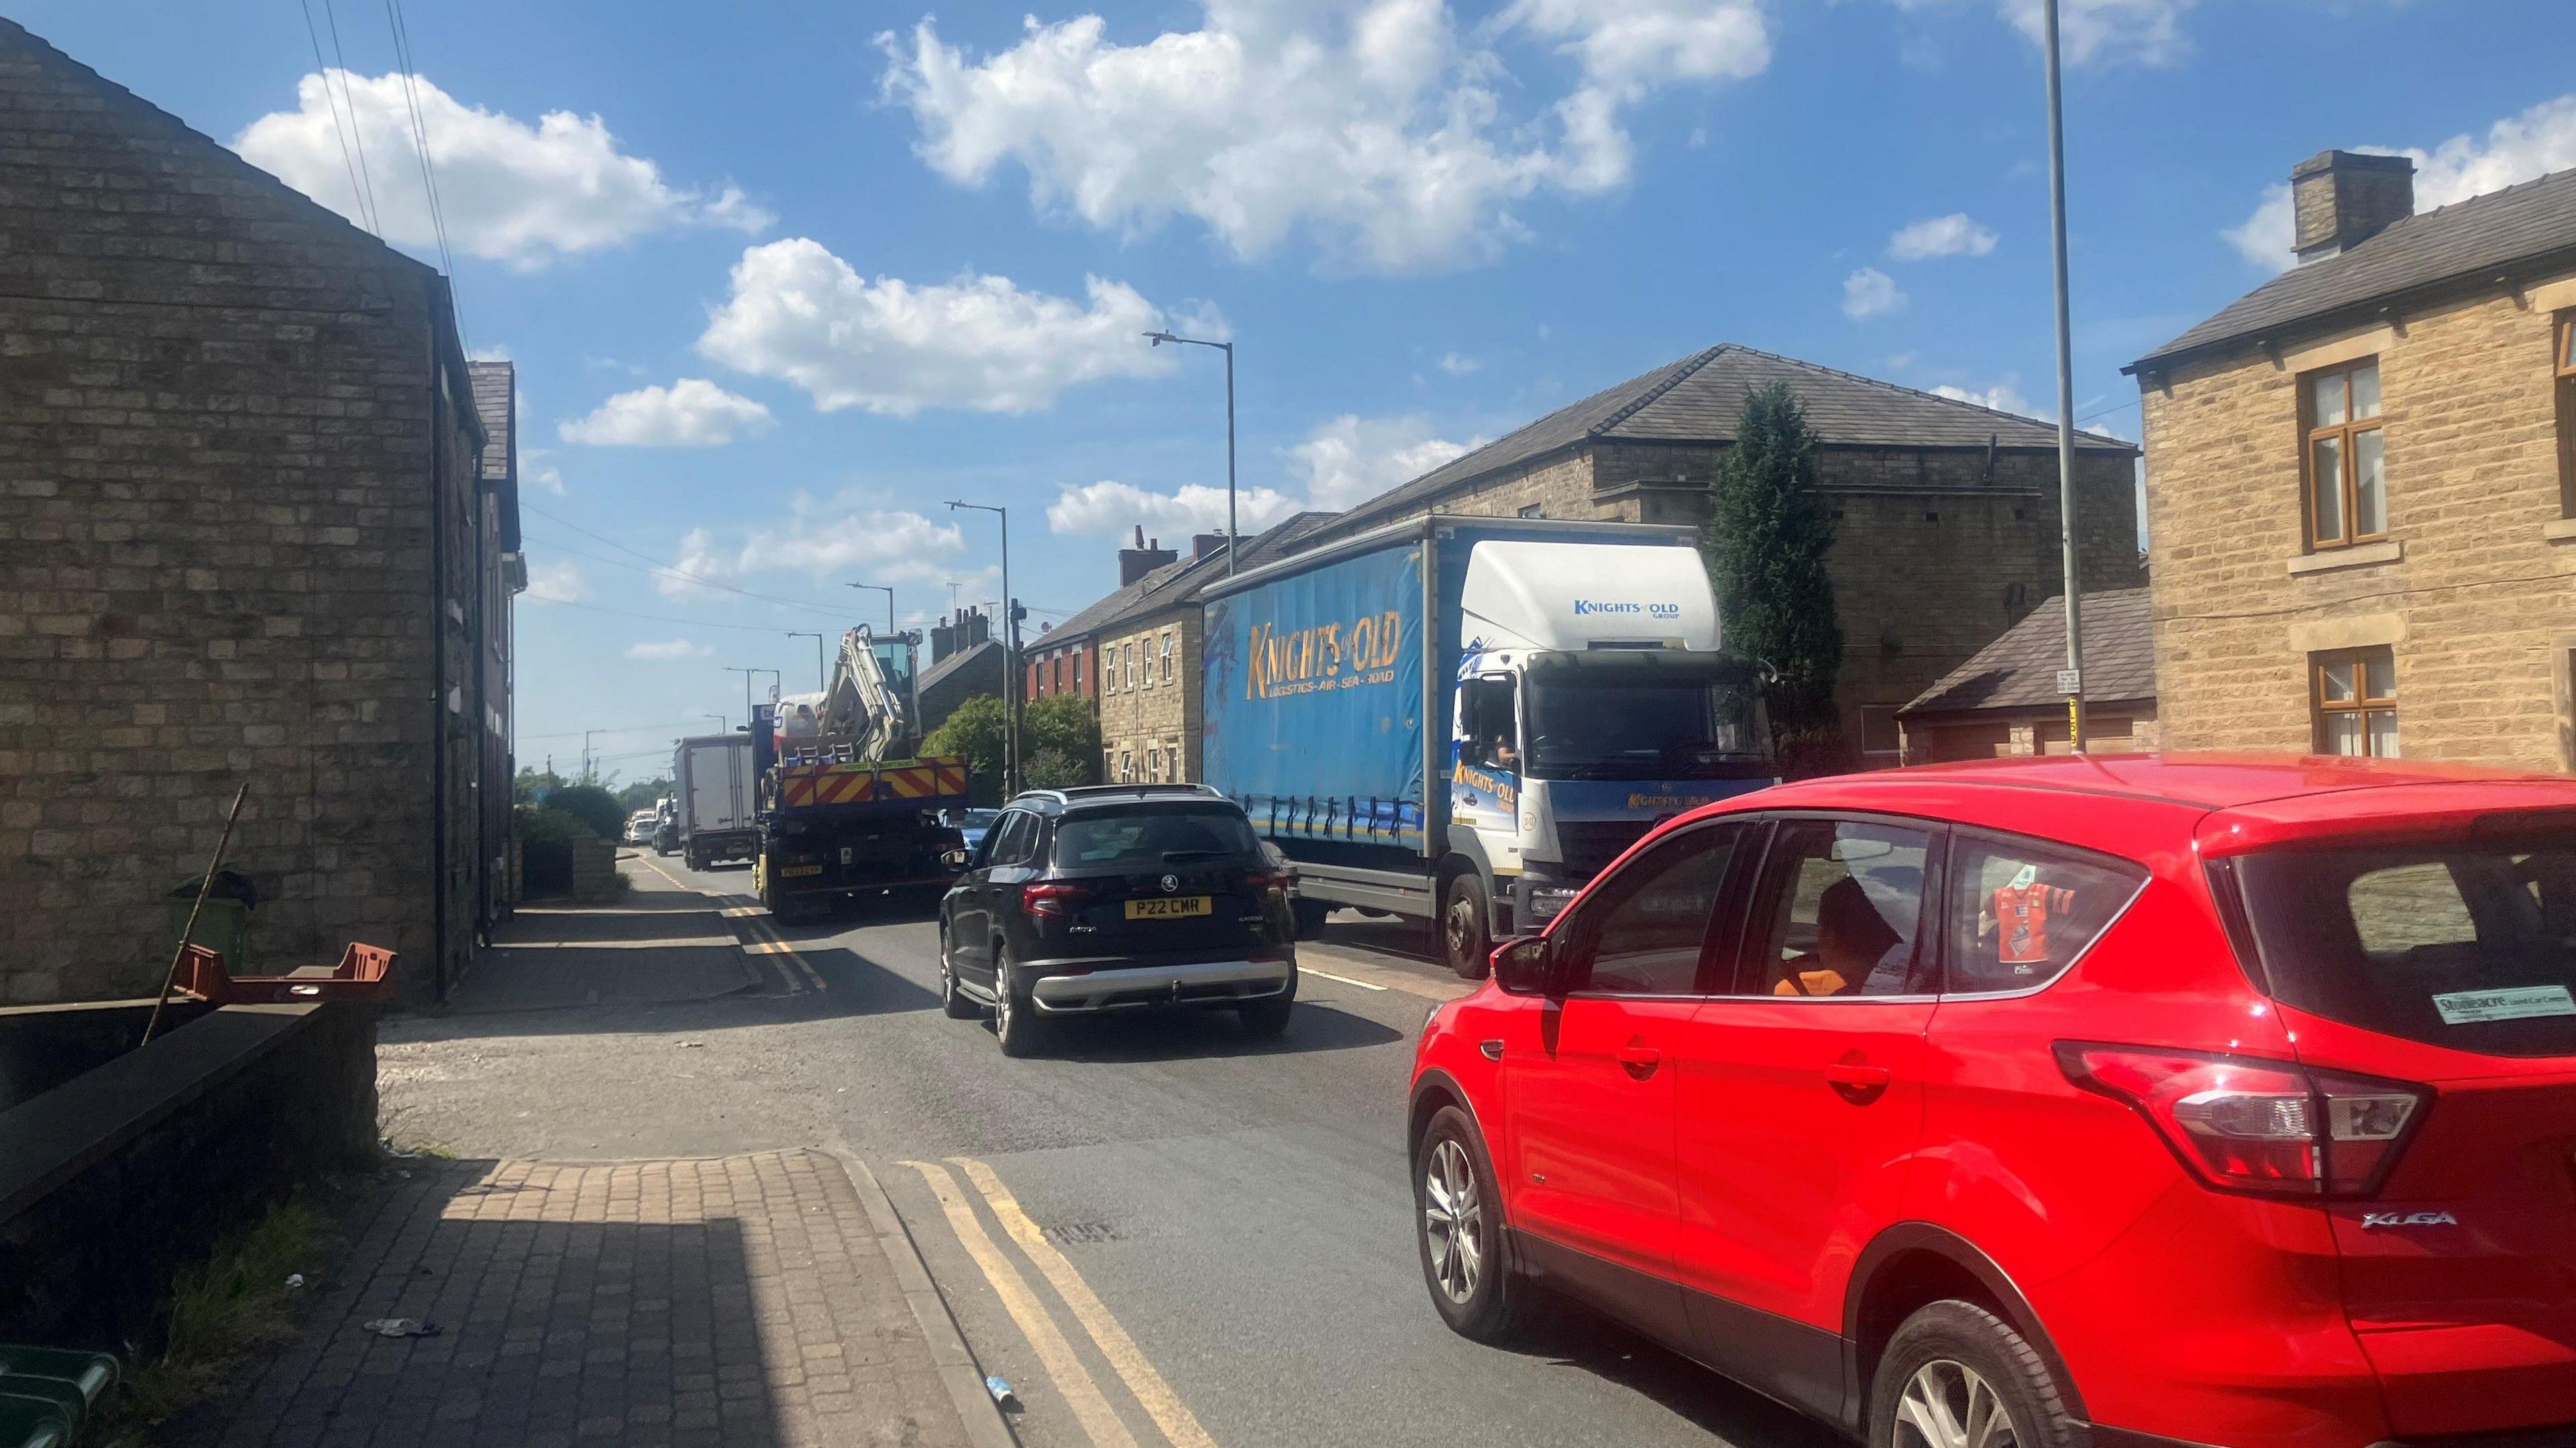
866 705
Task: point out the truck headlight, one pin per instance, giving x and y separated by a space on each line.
1549 901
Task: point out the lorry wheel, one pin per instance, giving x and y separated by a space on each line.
1465 931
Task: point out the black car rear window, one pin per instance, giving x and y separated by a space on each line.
2468 946
1154 836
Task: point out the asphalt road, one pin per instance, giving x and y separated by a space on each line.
1213 1234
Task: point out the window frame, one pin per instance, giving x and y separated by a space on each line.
1715 954
1167 656
1936 878
2562 373
2311 432
2362 703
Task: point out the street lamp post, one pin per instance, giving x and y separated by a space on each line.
820 682
723 725
889 593
1010 657
1159 338
746 686
2071 679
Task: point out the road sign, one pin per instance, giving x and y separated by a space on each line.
2070 681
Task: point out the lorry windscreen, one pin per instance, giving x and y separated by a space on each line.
1641 715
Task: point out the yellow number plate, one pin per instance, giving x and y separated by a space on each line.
802 870
1169 906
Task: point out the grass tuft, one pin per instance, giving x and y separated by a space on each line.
222 1312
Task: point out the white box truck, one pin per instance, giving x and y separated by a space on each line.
715 800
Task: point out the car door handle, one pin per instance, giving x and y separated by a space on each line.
1640 1060
1857 1084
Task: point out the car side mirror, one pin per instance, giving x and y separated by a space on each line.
957 859
1523 965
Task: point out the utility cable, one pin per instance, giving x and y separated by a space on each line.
356 130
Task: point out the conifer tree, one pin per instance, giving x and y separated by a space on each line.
1768 532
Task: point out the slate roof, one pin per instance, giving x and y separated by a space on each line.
2019 670
496 402
1179 582
2476 242
1699 398
958 662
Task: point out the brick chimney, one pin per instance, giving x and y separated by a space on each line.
1142 558
943 640
956 635
1203 544
2344 198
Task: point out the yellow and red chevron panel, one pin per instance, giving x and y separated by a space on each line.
801 785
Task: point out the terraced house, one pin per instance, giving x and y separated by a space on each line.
2361 482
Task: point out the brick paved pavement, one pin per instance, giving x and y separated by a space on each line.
742 1300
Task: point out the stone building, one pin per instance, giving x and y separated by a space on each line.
500 571
1141 645
251 533
2004 702
2361 480
965 661
1946 513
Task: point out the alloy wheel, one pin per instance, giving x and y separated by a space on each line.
1453 1220
1947 1404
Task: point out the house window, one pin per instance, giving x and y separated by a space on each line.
1154 766
1167 658
2356 702
1879 738
1533 510
1131 663
1126 767
2346 469
2562 357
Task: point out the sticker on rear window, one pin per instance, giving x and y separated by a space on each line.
2468 1007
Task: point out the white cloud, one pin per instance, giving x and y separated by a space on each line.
888 346
673 649
557 582
535 472
1370 126
2004 396
691 412
1343 462
2148 32
840 538
1352 459
2515 149
511 192
1457 365
1870 292
1951 235
1114 507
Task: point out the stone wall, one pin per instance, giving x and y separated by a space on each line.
1158 716
114 1180
219 418
2471 591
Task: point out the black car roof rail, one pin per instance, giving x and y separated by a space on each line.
1062 798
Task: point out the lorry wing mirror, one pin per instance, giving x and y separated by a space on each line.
957 859
1522 965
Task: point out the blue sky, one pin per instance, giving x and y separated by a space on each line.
779 284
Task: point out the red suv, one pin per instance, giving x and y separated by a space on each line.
2162 1100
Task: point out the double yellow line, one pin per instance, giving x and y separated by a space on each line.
794 971
1081 1392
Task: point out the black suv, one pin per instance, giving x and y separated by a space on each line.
1117 897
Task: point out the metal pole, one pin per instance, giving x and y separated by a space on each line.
1010 670
889 593
1229 460
820 681
2074 675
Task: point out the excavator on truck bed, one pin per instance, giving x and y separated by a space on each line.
849 808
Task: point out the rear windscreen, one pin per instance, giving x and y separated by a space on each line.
1157 837
2472 947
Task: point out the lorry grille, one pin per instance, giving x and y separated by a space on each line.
1590 845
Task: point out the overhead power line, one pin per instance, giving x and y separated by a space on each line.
771 629
375 217
331 98
420 145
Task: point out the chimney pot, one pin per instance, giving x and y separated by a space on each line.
2344 198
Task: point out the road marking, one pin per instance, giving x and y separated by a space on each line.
1165 1406
1072 1379
1344 979
738 912
796 975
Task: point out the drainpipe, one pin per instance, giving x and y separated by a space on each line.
438 638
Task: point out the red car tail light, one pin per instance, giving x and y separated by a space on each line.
1259 880
2254 1125
1044 901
